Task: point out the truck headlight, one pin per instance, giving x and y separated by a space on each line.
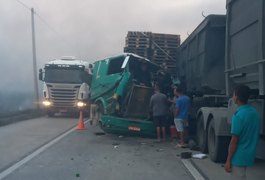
81 104
46 103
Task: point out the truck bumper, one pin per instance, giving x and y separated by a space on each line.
64 109
117 125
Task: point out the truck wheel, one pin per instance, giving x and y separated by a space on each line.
201 135
217 145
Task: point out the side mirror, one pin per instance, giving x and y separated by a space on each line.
40 75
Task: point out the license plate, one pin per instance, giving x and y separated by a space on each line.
63 110
134 128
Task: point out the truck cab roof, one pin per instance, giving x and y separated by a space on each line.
68 62
133 58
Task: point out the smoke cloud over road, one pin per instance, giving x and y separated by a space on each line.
89 30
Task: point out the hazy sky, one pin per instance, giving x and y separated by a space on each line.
87 29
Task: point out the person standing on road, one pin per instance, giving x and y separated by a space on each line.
181 114
159 110
245 133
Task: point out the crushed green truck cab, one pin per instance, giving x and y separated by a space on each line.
122 91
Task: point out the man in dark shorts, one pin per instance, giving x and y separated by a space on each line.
159 109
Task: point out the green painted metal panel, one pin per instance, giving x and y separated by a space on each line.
127 126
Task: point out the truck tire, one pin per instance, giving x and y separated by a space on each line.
217 145
201 135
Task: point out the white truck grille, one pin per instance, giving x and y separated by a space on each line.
63 97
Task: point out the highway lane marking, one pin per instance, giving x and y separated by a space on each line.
194 172
28 158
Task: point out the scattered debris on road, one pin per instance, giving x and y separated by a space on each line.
99 133
159 150
185 155
199 156
115 144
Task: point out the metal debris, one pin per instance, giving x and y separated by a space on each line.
99 133
115 144
185 155
159 150
199 156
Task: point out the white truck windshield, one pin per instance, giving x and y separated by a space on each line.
63 76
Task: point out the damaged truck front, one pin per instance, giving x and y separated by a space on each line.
123 101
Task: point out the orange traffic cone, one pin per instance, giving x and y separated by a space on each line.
81 124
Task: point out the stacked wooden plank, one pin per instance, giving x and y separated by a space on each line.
159 48
138 43
164 48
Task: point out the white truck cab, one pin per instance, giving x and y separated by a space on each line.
66 86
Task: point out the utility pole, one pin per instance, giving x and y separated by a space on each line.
36 89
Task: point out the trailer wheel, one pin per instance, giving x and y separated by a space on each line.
217 145
201 135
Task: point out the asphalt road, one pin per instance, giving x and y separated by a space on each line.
84 154
22 138
51 149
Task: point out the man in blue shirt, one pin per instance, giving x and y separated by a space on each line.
181 113
245 133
